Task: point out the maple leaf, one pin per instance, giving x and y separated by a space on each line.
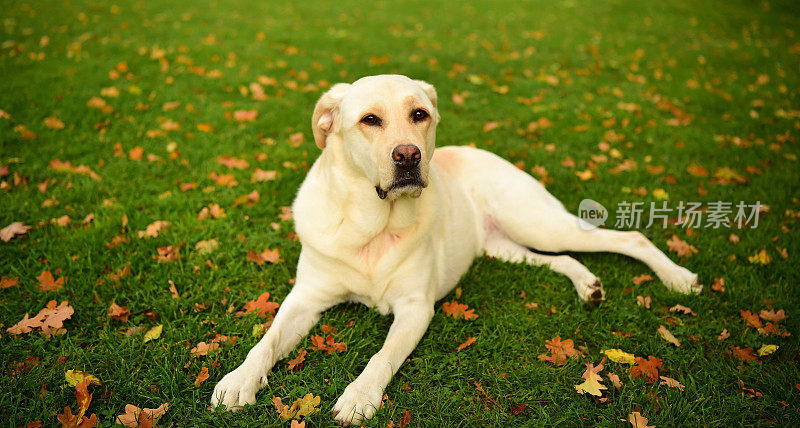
298 360
668 336
141 418
637 421
6 282
271 256
456 310
671 382
469 341
12 230
559 351
152 230
119 313
747 355
682 248
770 315
640 279
74 377
201 377
647 368
232 162
203 348
620 356
261 306
592 383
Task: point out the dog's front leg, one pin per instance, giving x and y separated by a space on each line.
298 313
362 398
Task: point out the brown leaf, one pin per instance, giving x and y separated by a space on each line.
204 348
12 230
153 229
682 309
266 256
201 377
458 310
640 279
559 351
167 254
6 282
671 382
296 362
119 313
647 368
614 380
232 162
668 336
468 342
245 115
141 418
747 355
261 306
643 301
53 123
637 421
724 335
682 248
718 285
770 315
261 175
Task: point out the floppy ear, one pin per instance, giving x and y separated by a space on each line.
326 113
430 91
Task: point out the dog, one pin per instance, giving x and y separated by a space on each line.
387 220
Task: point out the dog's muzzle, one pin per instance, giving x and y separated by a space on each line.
406 160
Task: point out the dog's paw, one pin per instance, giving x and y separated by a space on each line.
683 281
593 292
357 404
238 388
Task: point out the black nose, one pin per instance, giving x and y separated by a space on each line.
406 156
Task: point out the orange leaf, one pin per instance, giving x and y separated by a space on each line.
6 282
468 342
456 310
261 306
271 256
201 377
647 368
298 360
119 313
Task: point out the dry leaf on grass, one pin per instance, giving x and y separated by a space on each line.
12 230
458 310
141 418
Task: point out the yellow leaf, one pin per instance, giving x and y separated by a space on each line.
620 356
154 333
590 386
75 377
668 336
765 350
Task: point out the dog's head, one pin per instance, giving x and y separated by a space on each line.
384 128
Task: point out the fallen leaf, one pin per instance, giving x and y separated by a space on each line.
203 348
458 310
141 418
201 377
328 344
614 380
643 301
647 368
50 320
620 356
559 351
14 229
468 342
245 115
683 309
266 256
724 335
761 258
668 336
301 407
211 211
154 333
637 421
232 162
718 285
747 355
765 350
298 360
119 313
261 175
640 279
671 382
153 229
6 282
53 123
74 377
682 248
261 306
206 247
773 316
592 383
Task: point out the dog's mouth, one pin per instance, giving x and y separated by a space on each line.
402 181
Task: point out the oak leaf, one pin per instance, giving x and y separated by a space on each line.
458 310
141 418
773 316
297 361
682 248
668 381
641 278
637 421
119 313
201 377
620 356
152 230
469 341
12 230
266 256
559 351
747 355
668 336
592 383
647 368
261 306
6 282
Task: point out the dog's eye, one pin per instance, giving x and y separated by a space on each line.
419 115
371 120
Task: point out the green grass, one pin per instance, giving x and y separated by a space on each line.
602 53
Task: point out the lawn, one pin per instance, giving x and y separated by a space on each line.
116 116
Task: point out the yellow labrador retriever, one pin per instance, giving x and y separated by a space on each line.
385 221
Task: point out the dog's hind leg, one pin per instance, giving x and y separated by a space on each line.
586 283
